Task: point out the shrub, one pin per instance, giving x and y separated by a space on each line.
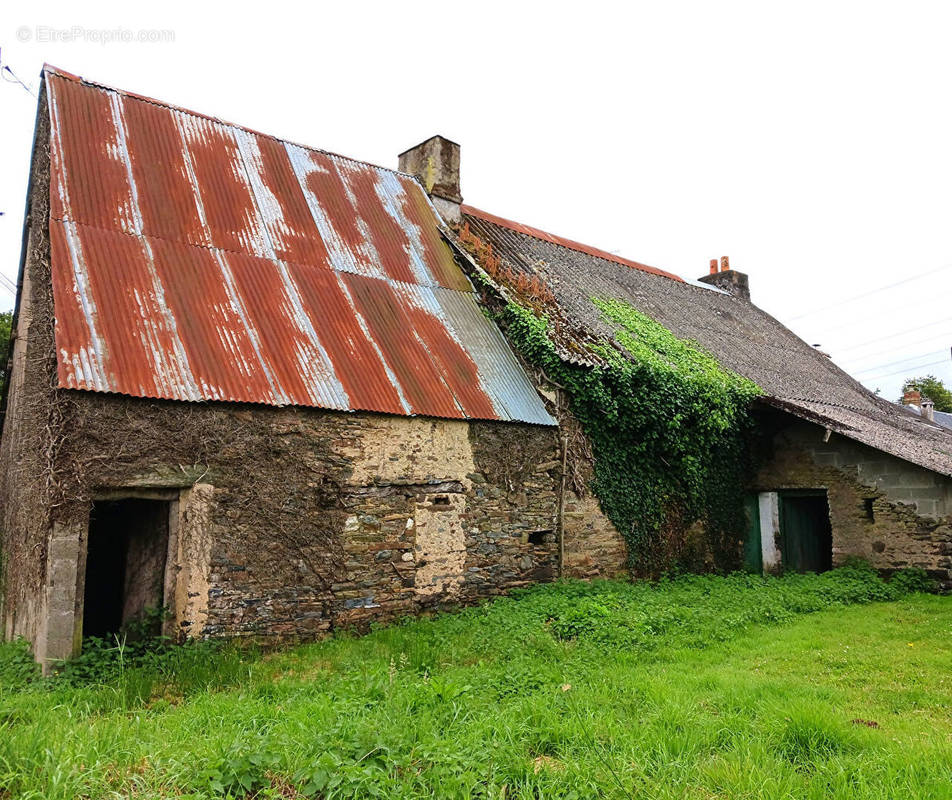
912 579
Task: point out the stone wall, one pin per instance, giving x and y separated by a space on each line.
593 546
882 509
29 547
292 521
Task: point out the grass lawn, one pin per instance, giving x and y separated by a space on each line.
831 686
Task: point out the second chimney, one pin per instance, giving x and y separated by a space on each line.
730 280
435 163
928 409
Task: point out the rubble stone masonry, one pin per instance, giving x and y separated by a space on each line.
885 510
288 522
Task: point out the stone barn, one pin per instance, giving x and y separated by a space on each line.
261 385
250 383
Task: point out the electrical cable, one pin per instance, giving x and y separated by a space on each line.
871 292
898 362
5 69
858 361
907 369
891 336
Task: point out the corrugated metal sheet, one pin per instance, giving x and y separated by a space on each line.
195 260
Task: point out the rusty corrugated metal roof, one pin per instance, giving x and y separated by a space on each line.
196 260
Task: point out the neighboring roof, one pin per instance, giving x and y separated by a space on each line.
794 375
942 418
196 260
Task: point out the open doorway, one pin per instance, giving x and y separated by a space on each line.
806 532
125 563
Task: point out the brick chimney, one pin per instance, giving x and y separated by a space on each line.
912 397
730 280
435 163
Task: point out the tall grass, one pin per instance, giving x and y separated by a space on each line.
804 686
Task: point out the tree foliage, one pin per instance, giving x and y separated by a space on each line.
931 387
6 324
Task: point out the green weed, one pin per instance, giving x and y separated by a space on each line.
810 686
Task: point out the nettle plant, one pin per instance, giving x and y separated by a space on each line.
670 431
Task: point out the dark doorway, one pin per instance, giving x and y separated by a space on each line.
125 563
807 536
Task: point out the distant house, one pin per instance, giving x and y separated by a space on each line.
924 407
252 382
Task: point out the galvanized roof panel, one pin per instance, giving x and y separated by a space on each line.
196 260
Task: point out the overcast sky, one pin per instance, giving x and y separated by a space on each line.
811 142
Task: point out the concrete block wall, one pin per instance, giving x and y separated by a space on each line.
885 510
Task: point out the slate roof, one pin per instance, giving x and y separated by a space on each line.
196 260
942 418
795 376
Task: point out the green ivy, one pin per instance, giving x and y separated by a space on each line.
670 431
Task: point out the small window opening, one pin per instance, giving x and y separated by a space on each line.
441 500
538 537
125 563
870 511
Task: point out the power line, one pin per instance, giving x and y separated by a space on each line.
871 292
853 322
868 356
892 335
907 369
5 70
6 283
900 361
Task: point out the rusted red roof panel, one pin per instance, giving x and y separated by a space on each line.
197 260
527 230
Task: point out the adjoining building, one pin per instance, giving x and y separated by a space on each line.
845 473
252 382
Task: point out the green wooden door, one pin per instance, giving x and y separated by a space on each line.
807 540
753 554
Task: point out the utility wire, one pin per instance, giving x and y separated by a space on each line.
5 70
860 359
891 336
907 369
872 292
6 283
878 316
900 361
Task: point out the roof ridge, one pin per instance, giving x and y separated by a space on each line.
571 244
60 73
